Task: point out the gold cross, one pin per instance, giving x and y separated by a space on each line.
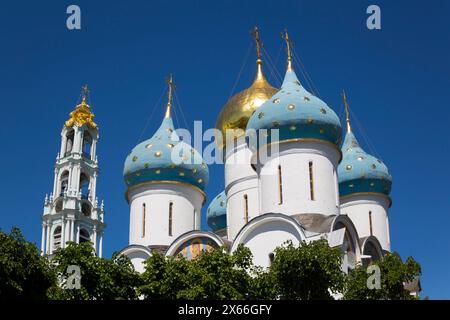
255 34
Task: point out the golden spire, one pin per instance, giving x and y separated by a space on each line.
285 36
169 96
82 113
347 114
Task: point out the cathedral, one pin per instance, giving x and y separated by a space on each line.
291 171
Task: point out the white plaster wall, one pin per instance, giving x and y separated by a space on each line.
265 238
240 179
186 200
137 259
358 206
294 158
236 205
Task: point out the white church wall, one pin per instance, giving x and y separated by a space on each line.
241 181
295 194
186 204
263 235
359 208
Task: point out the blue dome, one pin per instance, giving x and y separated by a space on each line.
297 114
164 157
360 171
216 215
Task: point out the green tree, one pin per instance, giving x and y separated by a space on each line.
393 275
101 279
24 274
307 271
212 275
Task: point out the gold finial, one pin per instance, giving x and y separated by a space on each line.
82 113
347 114
169 96
285 36
255 34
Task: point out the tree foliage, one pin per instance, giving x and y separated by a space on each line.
213 275
308 271
24 274
393 275
101 279
298 272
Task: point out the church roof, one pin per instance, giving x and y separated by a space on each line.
164 157
359 171
216 215
297 114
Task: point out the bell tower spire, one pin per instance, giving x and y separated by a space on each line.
73 212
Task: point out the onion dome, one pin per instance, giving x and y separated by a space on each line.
238 110
216 215
360 172
296 113
164 158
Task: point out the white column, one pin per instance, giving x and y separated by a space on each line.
77 240
49 229
94 239
43 239
55 183
63 145
94 149
63 232
93 186
69 181
100 245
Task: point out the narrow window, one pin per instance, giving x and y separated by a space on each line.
246 208
311 181
271 258
143 220
370 222
194 220
280 186
170 218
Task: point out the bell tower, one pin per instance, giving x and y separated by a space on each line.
72 211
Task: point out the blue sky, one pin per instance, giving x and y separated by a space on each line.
397 81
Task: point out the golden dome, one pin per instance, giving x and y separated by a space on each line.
238 110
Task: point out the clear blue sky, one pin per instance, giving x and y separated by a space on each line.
397 80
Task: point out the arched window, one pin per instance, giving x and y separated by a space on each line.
245 208
59 205
87 144
86 209
84 236
143 220
280 186
170 218
311 181
271 258
64 181
84 186
69 142
57 238
370 250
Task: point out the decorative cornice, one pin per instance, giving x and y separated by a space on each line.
133 187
